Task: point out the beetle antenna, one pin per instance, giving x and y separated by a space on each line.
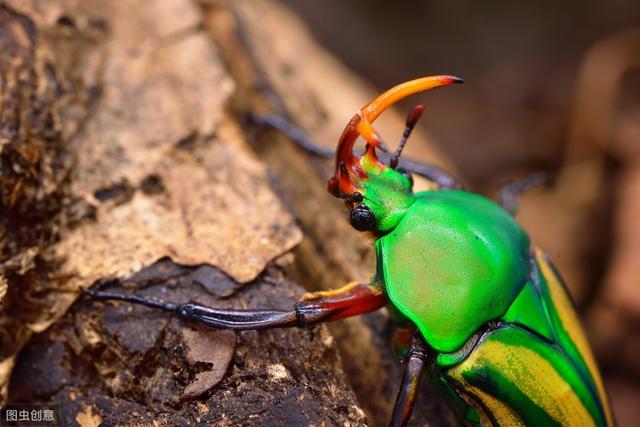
412 119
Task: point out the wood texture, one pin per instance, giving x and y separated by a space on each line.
147 176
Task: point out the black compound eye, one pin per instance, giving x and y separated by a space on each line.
362 219
407 174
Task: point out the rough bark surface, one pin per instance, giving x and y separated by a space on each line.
131 365
128 163
48 83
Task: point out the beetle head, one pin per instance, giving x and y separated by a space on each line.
377 194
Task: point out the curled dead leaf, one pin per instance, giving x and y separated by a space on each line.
211 346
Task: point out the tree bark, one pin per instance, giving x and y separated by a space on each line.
128 162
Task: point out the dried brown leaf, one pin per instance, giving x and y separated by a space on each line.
208 346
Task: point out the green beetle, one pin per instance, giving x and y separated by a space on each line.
488 314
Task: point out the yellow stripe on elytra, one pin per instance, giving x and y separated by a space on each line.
502 413
571 325
533 375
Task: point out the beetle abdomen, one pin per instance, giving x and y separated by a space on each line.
569 333
514 377
455 261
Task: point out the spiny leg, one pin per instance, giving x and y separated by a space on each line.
410 383
299 137
347 301
510 191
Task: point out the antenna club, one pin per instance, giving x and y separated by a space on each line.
414 115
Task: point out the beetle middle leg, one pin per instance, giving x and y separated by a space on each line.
347 301
410 382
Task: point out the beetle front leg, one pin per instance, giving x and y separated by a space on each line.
294 133
410 383
347 301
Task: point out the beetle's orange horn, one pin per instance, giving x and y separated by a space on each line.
348 170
